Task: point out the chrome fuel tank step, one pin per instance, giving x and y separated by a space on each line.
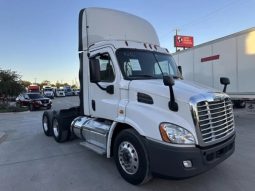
92 131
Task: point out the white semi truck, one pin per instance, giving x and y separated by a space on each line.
48 92
135 106
232 56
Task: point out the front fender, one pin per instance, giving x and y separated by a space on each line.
146 118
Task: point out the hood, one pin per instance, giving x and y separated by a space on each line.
183 90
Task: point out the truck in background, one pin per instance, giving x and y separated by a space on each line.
33 88
59 92
76 91
68 90
135 106
232 56
48 92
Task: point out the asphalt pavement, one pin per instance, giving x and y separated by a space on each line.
31 161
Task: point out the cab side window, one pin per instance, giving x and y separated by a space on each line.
106 67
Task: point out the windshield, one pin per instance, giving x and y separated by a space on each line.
142 64
35 96
48 89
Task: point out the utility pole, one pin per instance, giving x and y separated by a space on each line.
176 33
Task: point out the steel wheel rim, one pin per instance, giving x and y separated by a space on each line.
45 124
55 128
128 157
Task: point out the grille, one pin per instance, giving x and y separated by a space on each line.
216 119
45 101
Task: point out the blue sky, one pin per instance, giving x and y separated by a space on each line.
39 38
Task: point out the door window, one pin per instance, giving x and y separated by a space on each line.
106 67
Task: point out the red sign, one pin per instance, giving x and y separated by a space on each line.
210 58
183 41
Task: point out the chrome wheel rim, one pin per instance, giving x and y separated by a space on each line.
55 128
45 123
128 157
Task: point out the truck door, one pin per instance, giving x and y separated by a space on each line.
102 103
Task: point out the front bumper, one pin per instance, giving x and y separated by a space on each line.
168 160
49 96
37 105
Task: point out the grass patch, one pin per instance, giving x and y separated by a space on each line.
5 107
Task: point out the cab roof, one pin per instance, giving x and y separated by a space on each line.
100 24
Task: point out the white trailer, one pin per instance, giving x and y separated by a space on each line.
232 56
135 106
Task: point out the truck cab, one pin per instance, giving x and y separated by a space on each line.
48 92
136 107
60 92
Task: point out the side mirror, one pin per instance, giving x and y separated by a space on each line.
110 89
94 67
168 80
224 81
180 69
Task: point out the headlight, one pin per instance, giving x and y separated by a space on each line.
175 134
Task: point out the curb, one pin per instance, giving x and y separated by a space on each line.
2 137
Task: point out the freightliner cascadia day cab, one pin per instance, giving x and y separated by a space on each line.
135 106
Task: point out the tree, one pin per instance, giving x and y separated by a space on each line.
44 83
10 83
25 84
74 87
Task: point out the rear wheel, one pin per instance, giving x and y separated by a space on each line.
131 157
59 133
47 123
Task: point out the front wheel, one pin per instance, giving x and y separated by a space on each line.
47 123
131 157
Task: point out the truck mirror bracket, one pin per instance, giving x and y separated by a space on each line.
224 81
173 106
109 89
169 81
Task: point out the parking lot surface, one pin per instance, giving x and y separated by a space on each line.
31 161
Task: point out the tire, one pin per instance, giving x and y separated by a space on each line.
129 151
60 133
239 104
47 123
49 107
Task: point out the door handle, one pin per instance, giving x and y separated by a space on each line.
93 104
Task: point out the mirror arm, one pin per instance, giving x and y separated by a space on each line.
225 88
172 104
109 89
101 87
